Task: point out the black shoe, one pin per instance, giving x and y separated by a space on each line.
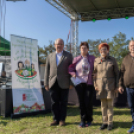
103 126
110 127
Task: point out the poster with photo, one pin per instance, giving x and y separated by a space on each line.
26 88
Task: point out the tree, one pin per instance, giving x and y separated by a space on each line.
118 47
43 53
93 47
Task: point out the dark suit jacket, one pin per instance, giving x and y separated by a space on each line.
60 72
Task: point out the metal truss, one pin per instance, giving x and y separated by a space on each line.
74 36
97 15
15 0
62 7
110 13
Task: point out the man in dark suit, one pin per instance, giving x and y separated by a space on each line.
57 81
127 80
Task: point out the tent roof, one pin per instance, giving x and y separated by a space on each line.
4 41
96 5
98 9
4 46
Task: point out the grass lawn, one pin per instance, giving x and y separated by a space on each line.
40 124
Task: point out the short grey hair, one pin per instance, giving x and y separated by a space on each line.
131 41
59 39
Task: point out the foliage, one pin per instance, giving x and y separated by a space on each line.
43 53
118 48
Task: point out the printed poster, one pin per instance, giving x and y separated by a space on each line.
26 88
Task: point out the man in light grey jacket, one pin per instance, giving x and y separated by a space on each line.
57 81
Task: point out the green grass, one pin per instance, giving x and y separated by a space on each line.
40 124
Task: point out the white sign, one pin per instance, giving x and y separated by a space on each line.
76 81
1 68
26 88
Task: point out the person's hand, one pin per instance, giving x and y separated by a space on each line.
96 89
70 87
47 88
121 90
74 75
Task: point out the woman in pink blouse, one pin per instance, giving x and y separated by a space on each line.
82 68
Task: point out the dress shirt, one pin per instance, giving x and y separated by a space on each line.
58 57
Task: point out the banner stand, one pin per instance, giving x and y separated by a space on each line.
26 88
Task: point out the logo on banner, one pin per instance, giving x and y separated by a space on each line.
24 97
26 70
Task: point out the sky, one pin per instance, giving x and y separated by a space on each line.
37 19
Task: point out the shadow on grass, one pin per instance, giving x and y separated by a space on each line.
74 111
4 123
71 111
9 119
72 123
116 112
122 124
116 124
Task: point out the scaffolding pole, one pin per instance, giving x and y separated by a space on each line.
74 36
61 6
